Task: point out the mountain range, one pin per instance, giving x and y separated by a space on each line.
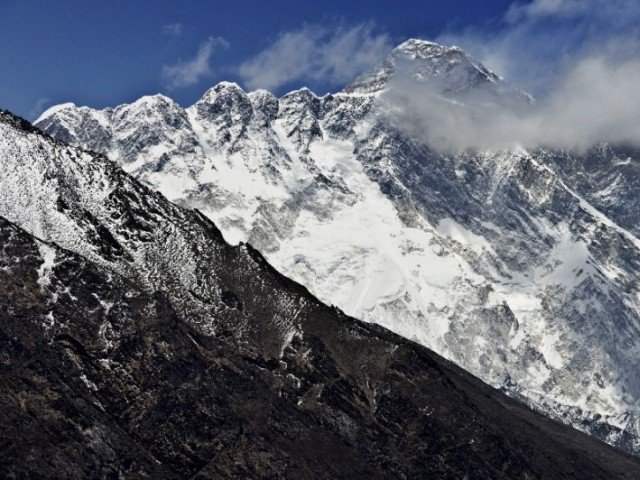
137 343
519 265
303 287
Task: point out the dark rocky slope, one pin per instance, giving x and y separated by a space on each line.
105 374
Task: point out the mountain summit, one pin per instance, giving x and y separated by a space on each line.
426 60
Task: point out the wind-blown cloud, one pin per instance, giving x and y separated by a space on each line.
38 107
581 60
189 72
597 101
172 29
617 10
316 53
538 42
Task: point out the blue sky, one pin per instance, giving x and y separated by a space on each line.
106 53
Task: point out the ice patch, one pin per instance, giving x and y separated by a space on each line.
448 227
90 385
48 255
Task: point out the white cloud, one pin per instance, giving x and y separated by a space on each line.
538 42
617 10
172 29
597 101
38 108
316 53
546 8
189 72
580 59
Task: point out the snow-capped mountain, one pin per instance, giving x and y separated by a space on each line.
427 60
136 343
520 266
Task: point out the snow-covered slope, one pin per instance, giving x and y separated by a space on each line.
172 354
499 261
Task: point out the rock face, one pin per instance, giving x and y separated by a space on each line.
520 266
135 342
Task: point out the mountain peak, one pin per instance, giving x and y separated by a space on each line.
153 99
230 91
55 109
303 92
425 60
224 86
419 45
148 105
417 49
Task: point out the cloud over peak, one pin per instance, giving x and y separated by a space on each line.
316 53
598 101
191 71
579 58
172 29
